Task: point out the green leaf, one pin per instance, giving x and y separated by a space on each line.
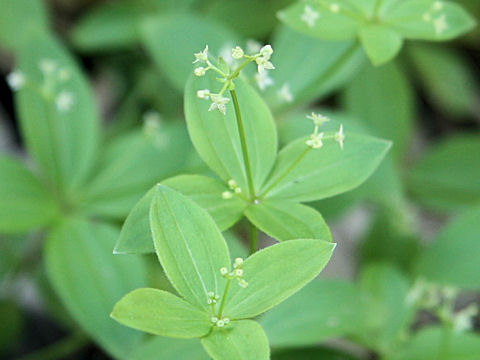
328 20
383 99
452 259
291 265
447 77
216 136
89 279
122 177
381 43
64 143
161 313
12 320
287 220
446 177
21 20
162 34
189 246
389 289
424 20
316 352
242 340
312 75
25 204
305 174
109 26
207 192
322 310
170 349
428 344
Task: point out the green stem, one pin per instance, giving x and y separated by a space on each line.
289 169
224 298
243 141
253 239
59 350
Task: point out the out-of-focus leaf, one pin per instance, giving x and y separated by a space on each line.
89 280
322 310
452 259
189 245
12 248
286 220
449 80
313 353
302 68
217 139
161 313
326 20
170 349
241 340
429 344
253 18
382 98
57 114
20 20
388 288
298 262
447 177
11 326
131 165
25 202
161 36
380 43
425 20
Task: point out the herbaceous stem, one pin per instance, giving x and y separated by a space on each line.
243 141
224 298
253 239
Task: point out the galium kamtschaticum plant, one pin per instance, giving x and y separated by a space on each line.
234 132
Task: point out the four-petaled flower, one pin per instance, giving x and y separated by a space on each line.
318 119
201 56
315 140
219 102
309 16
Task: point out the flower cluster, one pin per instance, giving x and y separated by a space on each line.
220 322
53 76
236 273
227 75
316 139
232 184
439 21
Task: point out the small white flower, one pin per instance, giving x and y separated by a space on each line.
253 46
16 80
64 74
237 52
220 323
335 8
285 94
239 272
318 119
227 195
340 137
224 271
232 184
48 66
266 52
263 80
201 56
315 141
64 101
237 262
238 190
263 64
463 320
243 283
200 71
219 102
309 16
203 94
440 24
437 5
214 319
